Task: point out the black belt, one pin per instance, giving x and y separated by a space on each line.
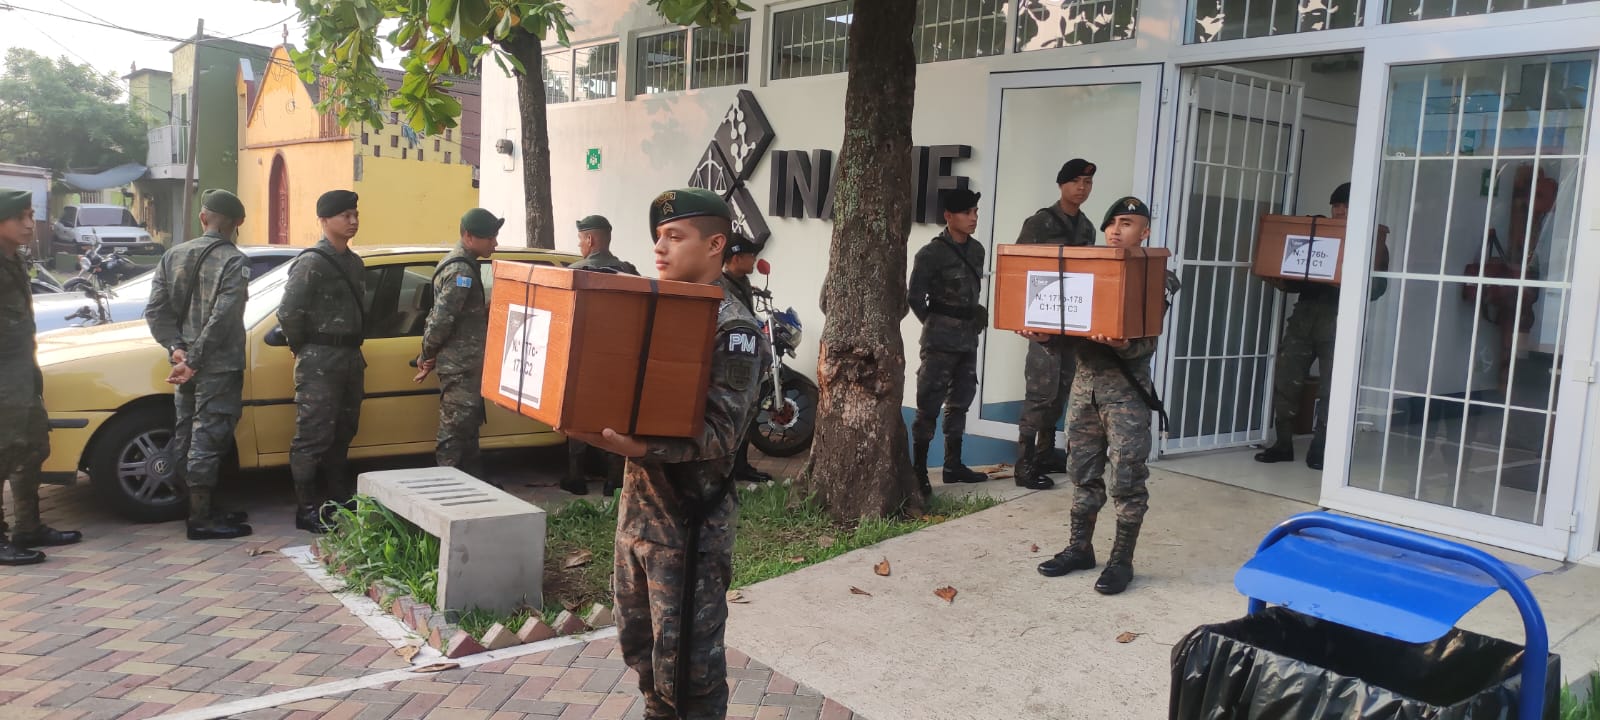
348 341
959 313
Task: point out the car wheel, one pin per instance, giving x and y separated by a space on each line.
131 469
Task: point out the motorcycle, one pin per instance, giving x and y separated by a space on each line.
97 268
41 281
786 417
99 314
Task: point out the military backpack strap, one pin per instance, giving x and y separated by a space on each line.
976 273
192 278
348 283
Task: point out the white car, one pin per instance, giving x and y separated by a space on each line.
112 225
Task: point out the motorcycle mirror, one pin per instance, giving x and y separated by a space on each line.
275 337
763 267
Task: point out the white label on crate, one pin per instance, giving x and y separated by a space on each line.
1053 297
522 365
1323 256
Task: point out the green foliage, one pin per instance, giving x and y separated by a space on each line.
374 544
64 116
439 38
1586 709
722 14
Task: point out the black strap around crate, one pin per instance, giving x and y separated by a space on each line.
644 355
1311 244
527 309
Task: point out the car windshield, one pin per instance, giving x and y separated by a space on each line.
105 217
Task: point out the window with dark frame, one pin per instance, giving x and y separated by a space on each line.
660 61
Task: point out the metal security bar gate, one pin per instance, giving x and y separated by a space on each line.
1243 138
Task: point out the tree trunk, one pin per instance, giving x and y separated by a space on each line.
535 139
860 464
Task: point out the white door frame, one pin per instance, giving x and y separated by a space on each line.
1555 538
1151 98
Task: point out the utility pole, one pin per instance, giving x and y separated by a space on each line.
194 137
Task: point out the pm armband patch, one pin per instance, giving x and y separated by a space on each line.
743 343
463 281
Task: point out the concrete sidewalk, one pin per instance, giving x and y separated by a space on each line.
1015 644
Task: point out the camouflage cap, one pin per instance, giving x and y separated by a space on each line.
1128 205
14 202
594 222
686 203
223 202
479 222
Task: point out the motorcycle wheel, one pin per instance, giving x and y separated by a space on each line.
77 285
786 430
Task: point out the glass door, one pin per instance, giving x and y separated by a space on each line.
1461 359
1037 122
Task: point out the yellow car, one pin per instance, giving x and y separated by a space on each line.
111 410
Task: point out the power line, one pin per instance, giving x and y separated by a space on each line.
90 65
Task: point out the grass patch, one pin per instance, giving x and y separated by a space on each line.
780 531
1586 709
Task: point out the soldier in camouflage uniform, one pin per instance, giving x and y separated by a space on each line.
1108 418
25 442
454 339
677 501
945 286
1050 364
1308 336
742 253
594 243
323 316
196 312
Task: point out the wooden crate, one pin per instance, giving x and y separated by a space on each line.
1285 242
1116 292
566 348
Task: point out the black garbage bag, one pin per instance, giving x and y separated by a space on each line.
1281 665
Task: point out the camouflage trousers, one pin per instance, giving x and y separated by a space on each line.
1047 373
22 450
461 415
1117 430
208 408
949 379
649 591
328 386
1307 337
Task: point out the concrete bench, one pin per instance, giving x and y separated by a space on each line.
491 544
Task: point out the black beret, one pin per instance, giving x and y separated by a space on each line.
1341 195
479 222
223 202
594 222
1074 169
1128 205
959 200
334 202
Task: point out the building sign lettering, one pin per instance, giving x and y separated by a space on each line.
803 184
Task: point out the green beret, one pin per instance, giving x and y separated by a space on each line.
334 202
594 222
222 202
739 244
479 222
1129 205
14 202
686 203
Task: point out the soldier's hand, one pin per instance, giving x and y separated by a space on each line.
1033 336
613 442
180 356
1112 342
422 374
181 373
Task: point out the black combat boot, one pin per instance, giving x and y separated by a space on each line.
1050 460
919 465
203 524
45 536
954 470
1119 567
575 481
1281 451
1079 554
1028 473
13 555
1314 453
312 519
